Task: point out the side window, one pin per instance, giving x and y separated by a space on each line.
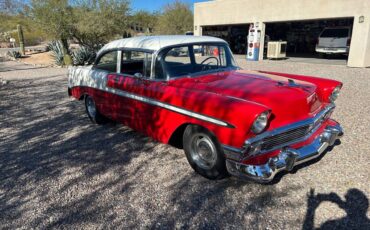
108 62
136 63
210 55
178 62
178 56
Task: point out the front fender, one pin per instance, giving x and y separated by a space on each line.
324 86
238 114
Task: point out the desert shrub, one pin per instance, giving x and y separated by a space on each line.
13 54
83 56
30 38
56 49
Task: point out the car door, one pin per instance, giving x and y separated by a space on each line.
105 66
128 85
155 116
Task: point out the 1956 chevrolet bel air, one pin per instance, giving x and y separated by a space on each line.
187 91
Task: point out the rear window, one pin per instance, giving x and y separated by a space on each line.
335 33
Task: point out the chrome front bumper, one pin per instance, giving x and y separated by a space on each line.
287 159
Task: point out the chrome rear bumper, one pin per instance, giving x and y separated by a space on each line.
287 159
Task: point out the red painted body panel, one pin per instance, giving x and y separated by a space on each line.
324 86
236 97
288 104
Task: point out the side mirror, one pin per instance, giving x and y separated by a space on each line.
139 75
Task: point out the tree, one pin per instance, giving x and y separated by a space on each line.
91 22
177 18
146 20
98 21
55 17
33 35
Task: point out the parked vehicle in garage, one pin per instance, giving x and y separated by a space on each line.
335 40
250 124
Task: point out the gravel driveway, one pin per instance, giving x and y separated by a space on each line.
57 169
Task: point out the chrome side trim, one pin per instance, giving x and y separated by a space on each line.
169 107
287 159
97 79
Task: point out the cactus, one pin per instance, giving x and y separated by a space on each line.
67 59
56 48
21 39
83 56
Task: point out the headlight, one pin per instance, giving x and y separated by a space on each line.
334 95
260 123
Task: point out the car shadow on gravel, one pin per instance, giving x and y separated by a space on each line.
198 200
46 137
59 170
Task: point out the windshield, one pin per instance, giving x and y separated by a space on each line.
335 33
189 60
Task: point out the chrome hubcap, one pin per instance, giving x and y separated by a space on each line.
91 109
203 151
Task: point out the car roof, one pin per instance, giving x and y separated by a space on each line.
156 43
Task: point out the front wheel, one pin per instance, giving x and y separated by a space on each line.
204 153
93 113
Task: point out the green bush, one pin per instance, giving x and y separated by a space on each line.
56 48
83 56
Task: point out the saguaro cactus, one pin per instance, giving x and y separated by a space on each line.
66 56
21 39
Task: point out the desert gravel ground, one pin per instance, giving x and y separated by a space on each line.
57 169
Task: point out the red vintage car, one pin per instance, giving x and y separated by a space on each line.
188 91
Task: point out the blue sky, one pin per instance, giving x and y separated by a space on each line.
151 5
155 5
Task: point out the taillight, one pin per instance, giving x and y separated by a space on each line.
348 42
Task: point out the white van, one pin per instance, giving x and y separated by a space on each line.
334 40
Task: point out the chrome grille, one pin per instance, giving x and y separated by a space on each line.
285 137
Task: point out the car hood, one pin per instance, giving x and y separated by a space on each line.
288 100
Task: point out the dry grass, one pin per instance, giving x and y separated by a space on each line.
44 59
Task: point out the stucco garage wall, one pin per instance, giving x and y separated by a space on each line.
226 12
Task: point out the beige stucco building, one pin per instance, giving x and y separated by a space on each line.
263 12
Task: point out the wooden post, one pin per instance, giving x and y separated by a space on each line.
21 39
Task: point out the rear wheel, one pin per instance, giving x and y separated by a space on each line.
204 153
93 113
